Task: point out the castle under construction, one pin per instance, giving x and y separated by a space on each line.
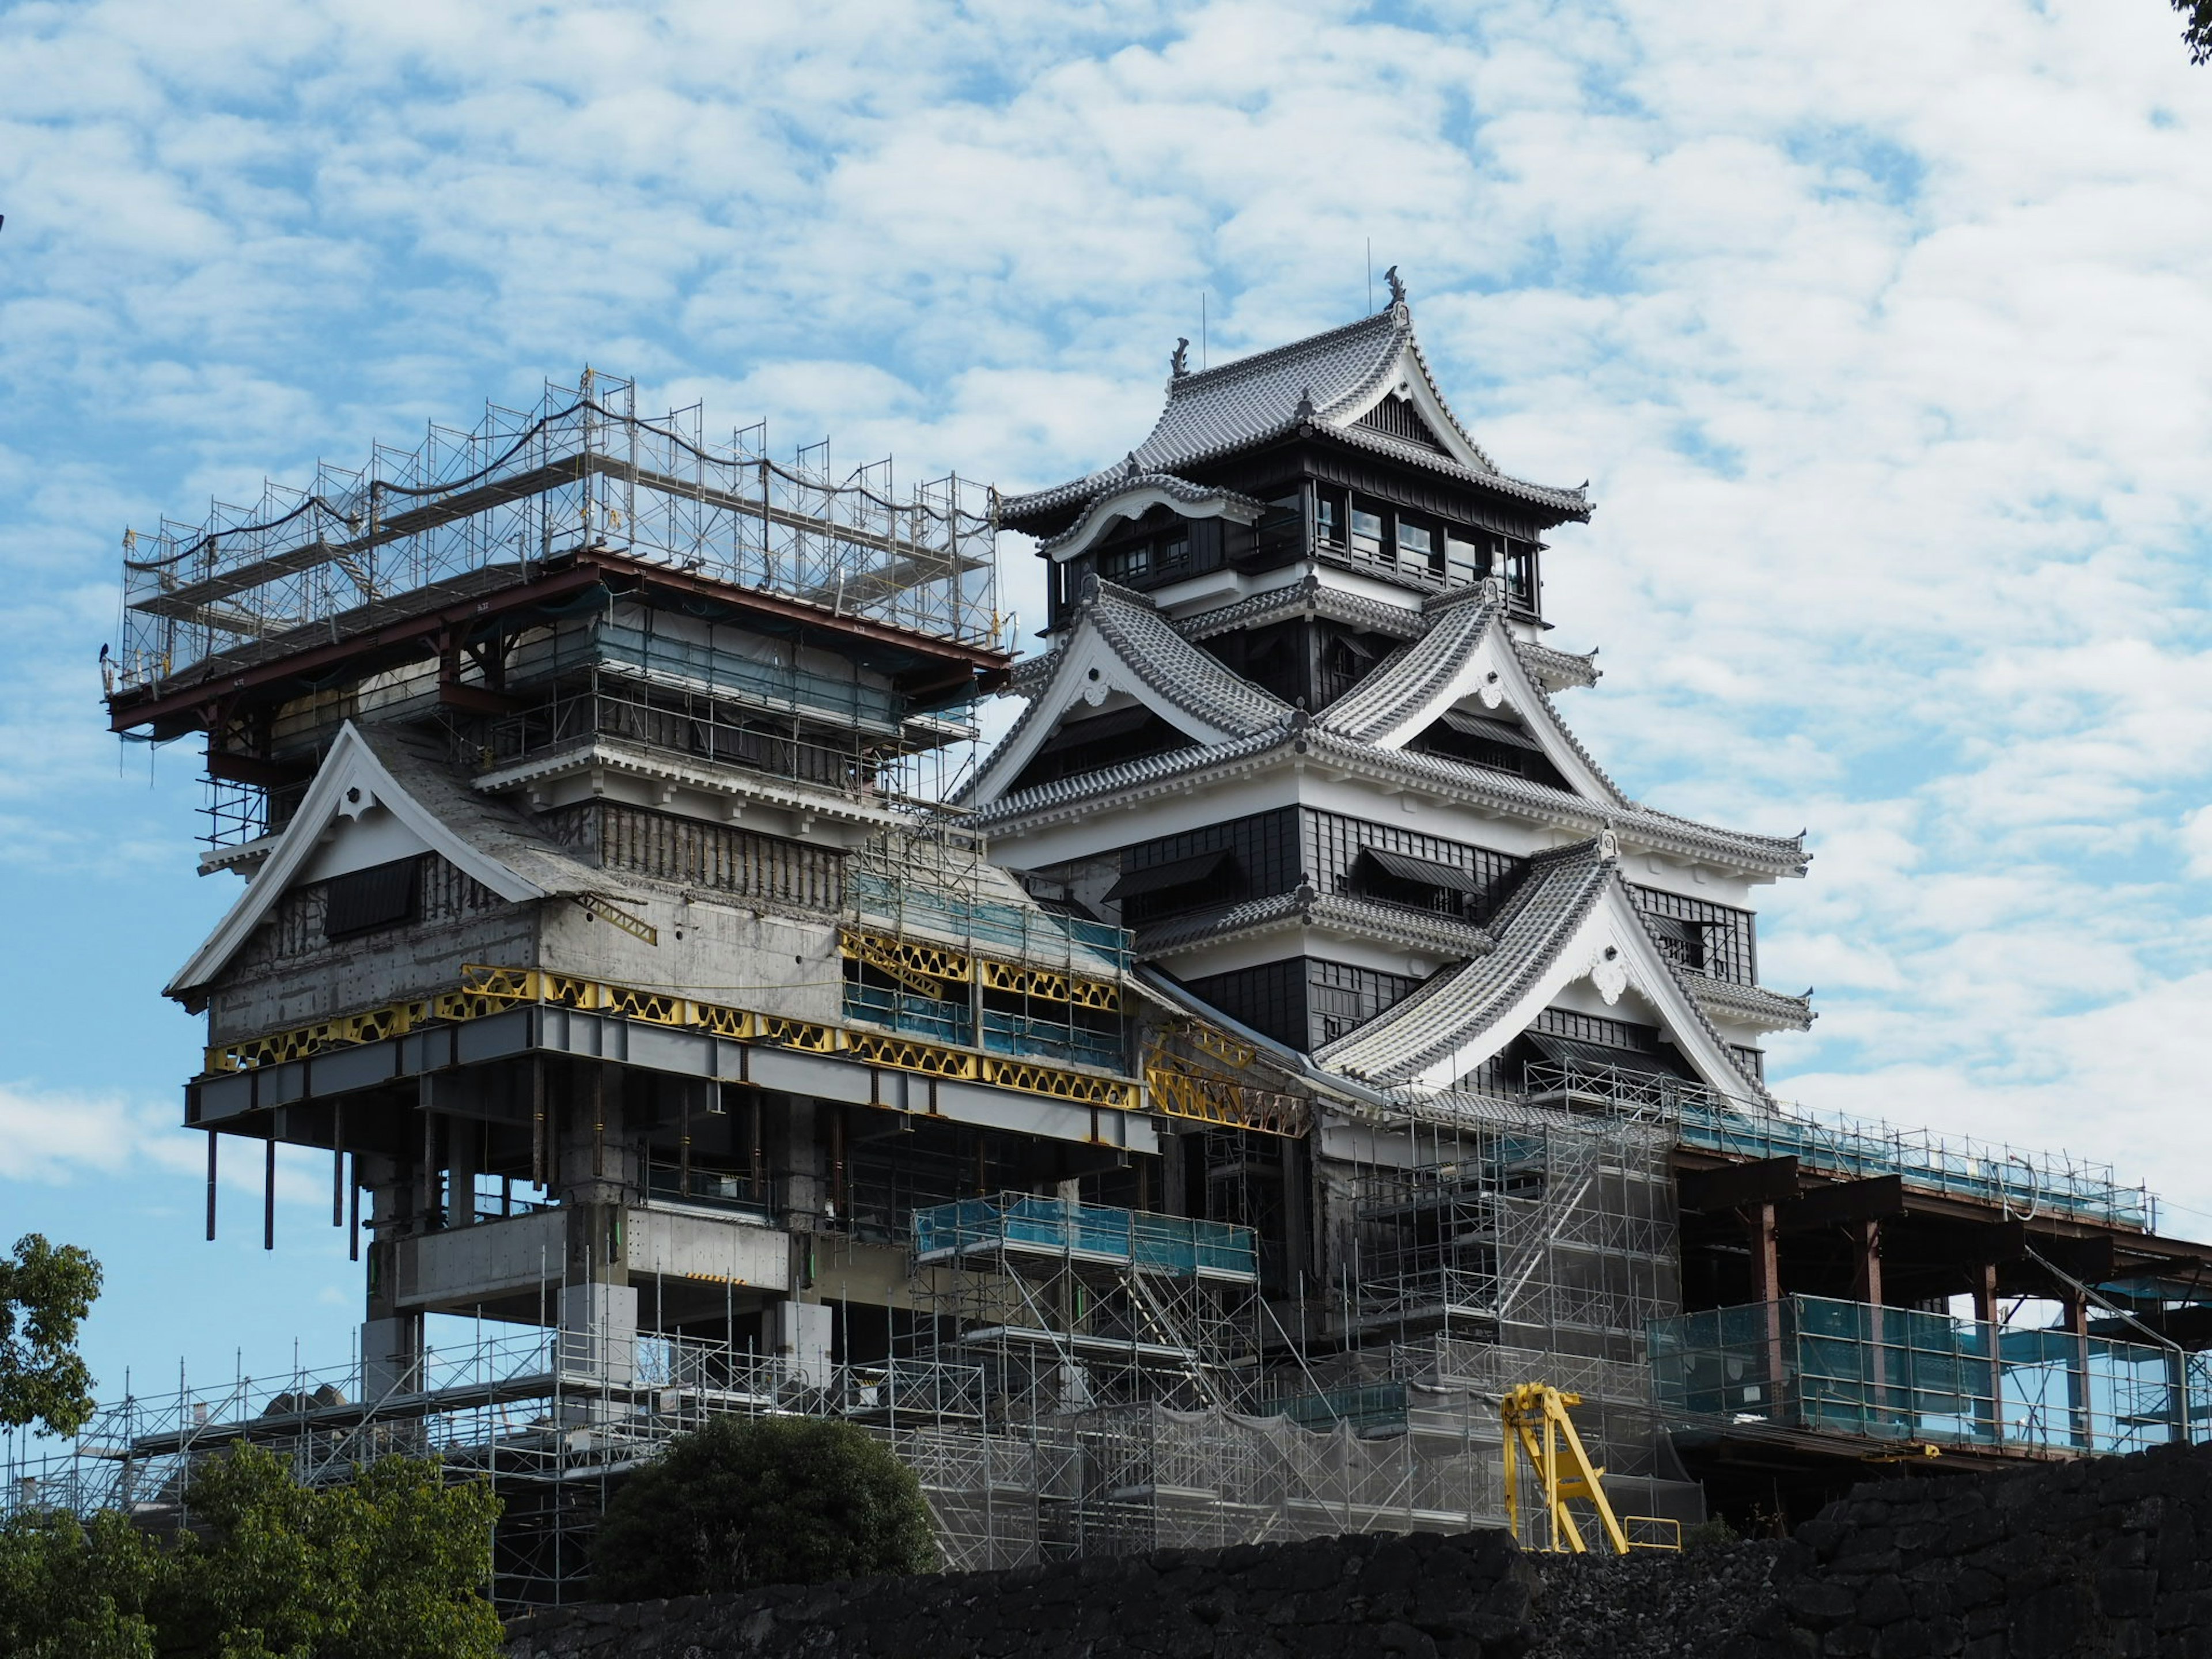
1180 1123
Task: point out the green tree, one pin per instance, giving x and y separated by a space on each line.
774 1500
2196 28
389 1563
45 1294
75 1590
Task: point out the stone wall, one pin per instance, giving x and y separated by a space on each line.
2108 1556
1464 1597
2104 1557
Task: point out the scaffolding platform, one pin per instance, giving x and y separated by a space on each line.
1025 1228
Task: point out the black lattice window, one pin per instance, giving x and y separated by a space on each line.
1595 1028
367 901
1335 846
1262 858
1341 997
1700 936
1270 999
1754 1060
1305 1001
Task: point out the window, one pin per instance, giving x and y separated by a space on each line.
1416 548
1131 563
1172 553
1416 883
1520 573
1328 519
1366 534
1463 562
383 896
1277 532
1176 888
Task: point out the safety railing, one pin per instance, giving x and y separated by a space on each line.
1900 1374
1013 1223
2023 1183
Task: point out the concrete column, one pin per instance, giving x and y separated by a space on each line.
596 1177
2077 1376
391 1353
464 1153
599 1331
795 1154
803 1332
391 1339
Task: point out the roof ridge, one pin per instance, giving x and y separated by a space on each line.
1235 367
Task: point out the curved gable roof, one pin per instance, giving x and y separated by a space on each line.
1570 919
374 768
1117 642
1329 379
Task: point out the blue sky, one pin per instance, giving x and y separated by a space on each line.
1883 331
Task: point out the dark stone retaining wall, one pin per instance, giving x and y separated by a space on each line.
2110 1557
1464 1597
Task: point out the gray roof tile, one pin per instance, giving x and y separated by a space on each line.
1451 1009
1253 399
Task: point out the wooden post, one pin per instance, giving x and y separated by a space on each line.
2077 1386
1767 1291
1988 1314
1866 1290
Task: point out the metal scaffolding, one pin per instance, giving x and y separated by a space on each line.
470 510
1557 1236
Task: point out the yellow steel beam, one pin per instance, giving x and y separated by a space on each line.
487 989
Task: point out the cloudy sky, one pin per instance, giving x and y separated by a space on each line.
1882 330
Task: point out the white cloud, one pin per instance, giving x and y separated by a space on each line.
1884 331
59 1136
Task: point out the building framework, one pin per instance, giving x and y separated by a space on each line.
1183 1124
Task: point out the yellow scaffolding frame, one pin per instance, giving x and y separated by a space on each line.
1537 1426
487 989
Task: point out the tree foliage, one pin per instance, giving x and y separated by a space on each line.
2196 28
75 1590
388 1564
776 1500
45 1294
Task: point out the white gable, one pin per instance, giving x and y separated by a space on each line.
354 814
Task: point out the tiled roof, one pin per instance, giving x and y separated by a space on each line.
1327 378
1453 779
1188 678
1451 1009
1411 676
1124 777
1417 930
1148 644
1308 596
492 828
1555 670
1446 1012
1175 488
1773 1009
